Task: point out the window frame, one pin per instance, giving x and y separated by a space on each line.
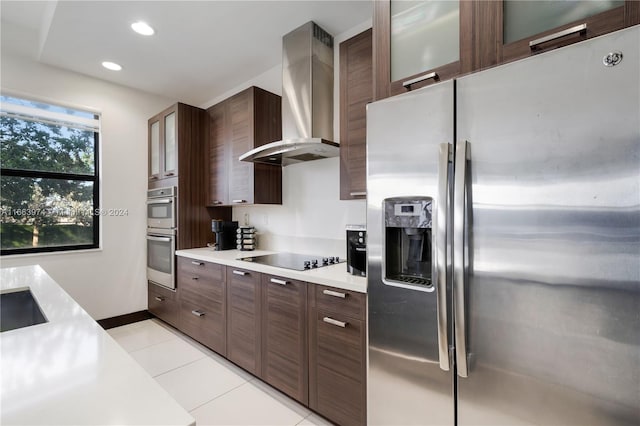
37 174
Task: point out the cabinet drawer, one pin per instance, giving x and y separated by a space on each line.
343 302
204 320
339 348
163 303
189 267
207 280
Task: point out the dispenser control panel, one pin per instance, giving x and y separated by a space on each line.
408 212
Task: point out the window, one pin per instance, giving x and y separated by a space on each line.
48 177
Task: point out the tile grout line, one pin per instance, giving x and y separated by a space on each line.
222 394
146 347
176 368
156 344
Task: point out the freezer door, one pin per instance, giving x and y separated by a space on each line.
552 288
406 384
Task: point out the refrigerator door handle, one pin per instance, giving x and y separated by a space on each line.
440 251
459 223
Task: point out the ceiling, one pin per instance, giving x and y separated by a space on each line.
201 49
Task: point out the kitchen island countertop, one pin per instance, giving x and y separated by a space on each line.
70 371
333 275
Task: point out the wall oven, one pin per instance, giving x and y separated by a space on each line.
161 236
161 208
161 251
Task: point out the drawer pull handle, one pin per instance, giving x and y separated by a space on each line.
332 321
197 313
160 299
194 278
361 249
434 75
582 28
358 194
334 293
277 281
241 273
169 174
216 202
194 262
238 201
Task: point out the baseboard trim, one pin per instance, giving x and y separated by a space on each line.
125 319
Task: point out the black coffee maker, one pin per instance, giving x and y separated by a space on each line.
225 234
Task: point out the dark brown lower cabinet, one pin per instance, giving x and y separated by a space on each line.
243 319
306 340
284 336
337 360
163 303
202 312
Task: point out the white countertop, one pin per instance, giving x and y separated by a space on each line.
333 275
69 371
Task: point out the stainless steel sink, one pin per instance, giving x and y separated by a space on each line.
18 309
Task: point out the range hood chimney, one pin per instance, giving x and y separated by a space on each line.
307 100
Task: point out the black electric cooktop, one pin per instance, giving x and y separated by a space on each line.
298 262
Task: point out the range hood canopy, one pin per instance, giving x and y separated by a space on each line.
307 100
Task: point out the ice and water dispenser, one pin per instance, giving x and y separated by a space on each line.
407 242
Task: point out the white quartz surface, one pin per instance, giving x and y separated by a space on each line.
69 371
333 275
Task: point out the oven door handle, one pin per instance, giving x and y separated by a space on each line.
163 201
163 239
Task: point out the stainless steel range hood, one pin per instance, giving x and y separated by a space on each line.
307 100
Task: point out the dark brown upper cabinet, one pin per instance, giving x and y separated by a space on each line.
238 124
177 139
163 144
356 91
418 43
526 28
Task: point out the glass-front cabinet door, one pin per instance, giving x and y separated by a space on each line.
170 165
533 26
154 148
420 42
163 144
424 36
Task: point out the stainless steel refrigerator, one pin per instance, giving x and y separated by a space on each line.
503 220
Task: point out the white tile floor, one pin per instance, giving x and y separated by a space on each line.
212 389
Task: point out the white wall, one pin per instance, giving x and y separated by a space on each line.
110 281
312 218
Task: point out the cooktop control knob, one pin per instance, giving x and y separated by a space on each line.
314 263
337 259
332 260
307 264
325 261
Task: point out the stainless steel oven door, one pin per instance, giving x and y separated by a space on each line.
161 212
161 250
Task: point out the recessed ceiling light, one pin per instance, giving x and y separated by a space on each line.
142 28
111 66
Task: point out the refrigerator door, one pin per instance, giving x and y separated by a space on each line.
552 240
406 384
